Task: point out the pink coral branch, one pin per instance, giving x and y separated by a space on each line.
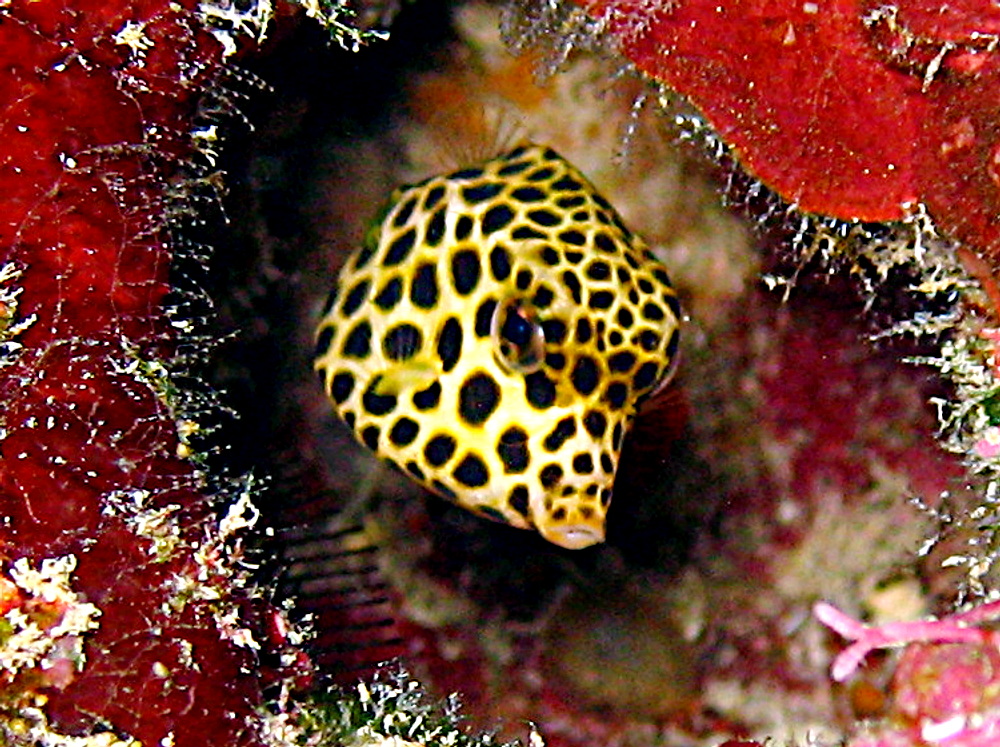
951 629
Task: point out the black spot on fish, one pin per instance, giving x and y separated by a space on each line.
606 463
540 390
323 340
463 227
439 450
673 303
341 387
370 436
404 213
652 312
622 361
605 243
555 331
616 395
400 248
540 175
514 168
478 398
433 197
354 298
331 300
583 464
390 294
358 342
585 375
467 174
518 499
424 291
528 194
449 344
402 342
673 344
366 254
496 218
404 431
484 317
567 184
649 340
377 404
601 300
428 398
472 471
543 298
481 192
512 448
500 263
645 376
571 201
524 233
465 271
550 475
565 429
544 218
598 270
572 282
443 490
550 256
435 230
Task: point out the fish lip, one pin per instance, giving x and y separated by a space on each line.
573 536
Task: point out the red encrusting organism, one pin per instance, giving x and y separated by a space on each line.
852 110
97 105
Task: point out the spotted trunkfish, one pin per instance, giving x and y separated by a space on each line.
493 336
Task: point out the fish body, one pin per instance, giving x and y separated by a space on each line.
493 336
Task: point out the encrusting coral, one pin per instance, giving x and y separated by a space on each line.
127 610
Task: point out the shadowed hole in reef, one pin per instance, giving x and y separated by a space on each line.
302 186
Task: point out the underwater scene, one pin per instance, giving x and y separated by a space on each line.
524 372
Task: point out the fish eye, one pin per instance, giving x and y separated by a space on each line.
518 336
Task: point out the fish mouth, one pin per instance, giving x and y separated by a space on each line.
574 535
574 518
